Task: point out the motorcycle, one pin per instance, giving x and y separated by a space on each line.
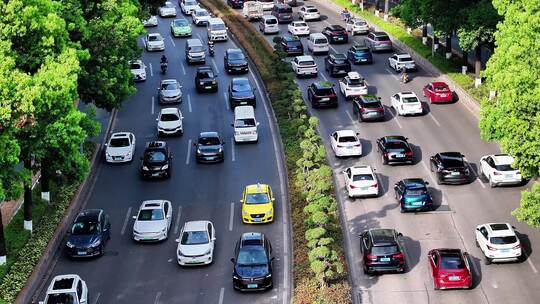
404 77
211 49
164 67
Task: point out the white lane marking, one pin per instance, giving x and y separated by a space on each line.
188 152
434 119
395 118
429 172
183 68
392 74
494 284
324 76
153 102
126 220
158 296
350 116
530 262
143 42
233 156
97 297
177 224
226 102
221 295
215 65
333 49
151 70
476 175
189 102
172 41
231 218
327 23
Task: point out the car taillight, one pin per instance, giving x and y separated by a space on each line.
374 185
398 255
362 110
339 146
409 153
352 186
517 246
491 248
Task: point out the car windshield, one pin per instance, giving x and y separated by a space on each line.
384 250
405 58
451 162
209 141
395 146
362 177
372 105
361 50
194 238
504 167
190 2
154 38
180 22
252 256
236 55
416 192
271 21
360 23
196 48
150 215
321 41
202 13
345 139
136 66
441 88
155 156
218 27
356 82
206 74
285 10
245 123
324 91
312 10
257 198
84 228
241 86
452 261
382 38
294 43
409 100
61 298
119 142
306 62
503 240
300 24
168 117
169 86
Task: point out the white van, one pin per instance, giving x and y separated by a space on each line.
245 124
252 10
216 29
318 43
269 24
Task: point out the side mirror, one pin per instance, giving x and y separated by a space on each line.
195 144
478 229
273 199
232 125
213 238
177 240
513 227
232 260
427 183
134 217
242 201
395 185
258 123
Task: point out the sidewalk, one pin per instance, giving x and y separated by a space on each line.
10 208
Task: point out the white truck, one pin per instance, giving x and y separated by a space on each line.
252 10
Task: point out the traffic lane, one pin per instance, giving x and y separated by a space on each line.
172 190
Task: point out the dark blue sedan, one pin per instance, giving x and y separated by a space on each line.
89 233
412 195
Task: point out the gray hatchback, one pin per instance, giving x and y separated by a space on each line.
379 42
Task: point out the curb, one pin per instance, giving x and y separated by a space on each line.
43 269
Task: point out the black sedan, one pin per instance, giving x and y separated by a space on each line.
157 160
252 263
209 148
206 79
395 149
241 93
337 64
336 34
89 233
235 61
450 168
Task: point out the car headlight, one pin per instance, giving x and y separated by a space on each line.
199 151
220 149
128 154
107 155
207 252
201 83
164 228
68 244
245 213
214 82
145 168
180 253
270 212
96 243
165 167
236 277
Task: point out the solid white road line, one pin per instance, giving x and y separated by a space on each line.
530 262
226 102
231 218
350 116
97 297
333 49
233 156
143 42
428 172
158 296
188 156
189 102
476 175
151 70
324 76
221 295
153 102
395 117
215 65
172 41
327 23
183 68
434 119
126 220
177 224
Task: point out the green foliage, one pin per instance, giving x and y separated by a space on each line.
529 208
479 24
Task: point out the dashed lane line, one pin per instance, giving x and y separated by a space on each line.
231 218
177 224
126 220
188 156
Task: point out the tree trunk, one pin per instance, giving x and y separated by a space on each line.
477 65
385 10
3 251
424 34
45 179
465 64
28 197
448 46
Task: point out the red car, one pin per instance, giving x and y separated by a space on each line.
438 92
450 268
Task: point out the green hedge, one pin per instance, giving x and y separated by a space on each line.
26 250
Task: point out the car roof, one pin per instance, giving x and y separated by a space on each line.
500 229
338 56
336 27
252 238
289 38
305 58
169 111
380 34
310 6
414 182
239 80
407 94
361 169
235 50
257 188
394 138
196 225
382 236
200 9
354 75
448 251
63 283
346 133
120 135
156 144
450 154
401 55
154 34
152 204
139 61
323 84
204 68
209 134
502 159
299 21
89 215
317 35
439 83
370 98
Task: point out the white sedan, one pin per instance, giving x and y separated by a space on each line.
346 143
196 243
167 10
360 181
120 148
498 242
154 42
153 221
406 103
498 170
169 122
151 21
352 85
200 16
298 28
304 65
401 61
138 69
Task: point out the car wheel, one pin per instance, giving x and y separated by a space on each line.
101 250
487 261
366 271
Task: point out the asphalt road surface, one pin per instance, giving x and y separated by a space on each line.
444 127
148 273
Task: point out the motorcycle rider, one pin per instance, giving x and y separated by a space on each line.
163 63
345 14
211 47
404 75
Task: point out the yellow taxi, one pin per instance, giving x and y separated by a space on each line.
257 204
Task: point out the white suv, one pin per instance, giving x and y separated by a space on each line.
67 288
361 181
304 66
406 103
401 61
498 242
497 168
120 148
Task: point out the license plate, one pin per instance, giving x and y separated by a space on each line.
385 259
363 188
252 286
155 174
81 252
339 38
243 103
207 87
340 71
399 155
443 95
504 250
508 176
455 173
371 113
363 59
148 238
325 99
257 219
454 278
210 157
350 148
417 203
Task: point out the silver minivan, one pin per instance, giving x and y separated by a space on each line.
269 25
195 51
